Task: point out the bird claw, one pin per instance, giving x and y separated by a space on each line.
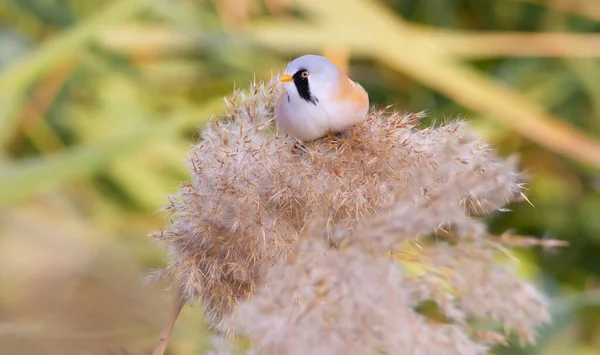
336 136
300 147
339 135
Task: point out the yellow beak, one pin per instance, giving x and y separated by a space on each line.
286 78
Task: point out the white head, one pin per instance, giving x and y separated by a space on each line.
311 78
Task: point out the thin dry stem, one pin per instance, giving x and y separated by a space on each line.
169 324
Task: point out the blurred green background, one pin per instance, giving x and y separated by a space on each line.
101 100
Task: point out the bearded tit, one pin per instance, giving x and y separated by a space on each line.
318 98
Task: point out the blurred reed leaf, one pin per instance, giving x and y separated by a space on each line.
146 40
18 77
30 176
26 177
49 12
585 8
588 72
473 45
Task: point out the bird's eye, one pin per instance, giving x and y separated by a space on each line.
304 74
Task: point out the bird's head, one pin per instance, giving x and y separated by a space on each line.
311 78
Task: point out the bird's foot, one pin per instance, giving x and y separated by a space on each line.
300 147
338 136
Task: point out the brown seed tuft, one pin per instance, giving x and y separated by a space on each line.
292 248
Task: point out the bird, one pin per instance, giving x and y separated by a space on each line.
318 98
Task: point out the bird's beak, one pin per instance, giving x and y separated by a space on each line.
286 78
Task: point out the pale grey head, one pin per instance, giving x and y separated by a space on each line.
311 78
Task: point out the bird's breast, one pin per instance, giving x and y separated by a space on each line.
307 121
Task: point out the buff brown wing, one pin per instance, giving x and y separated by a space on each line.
352 91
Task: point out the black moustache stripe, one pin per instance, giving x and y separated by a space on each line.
303 88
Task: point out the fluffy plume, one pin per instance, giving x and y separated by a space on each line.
301 249
344 302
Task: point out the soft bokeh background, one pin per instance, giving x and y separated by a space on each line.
100 101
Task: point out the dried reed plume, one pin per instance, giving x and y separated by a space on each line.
305 251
